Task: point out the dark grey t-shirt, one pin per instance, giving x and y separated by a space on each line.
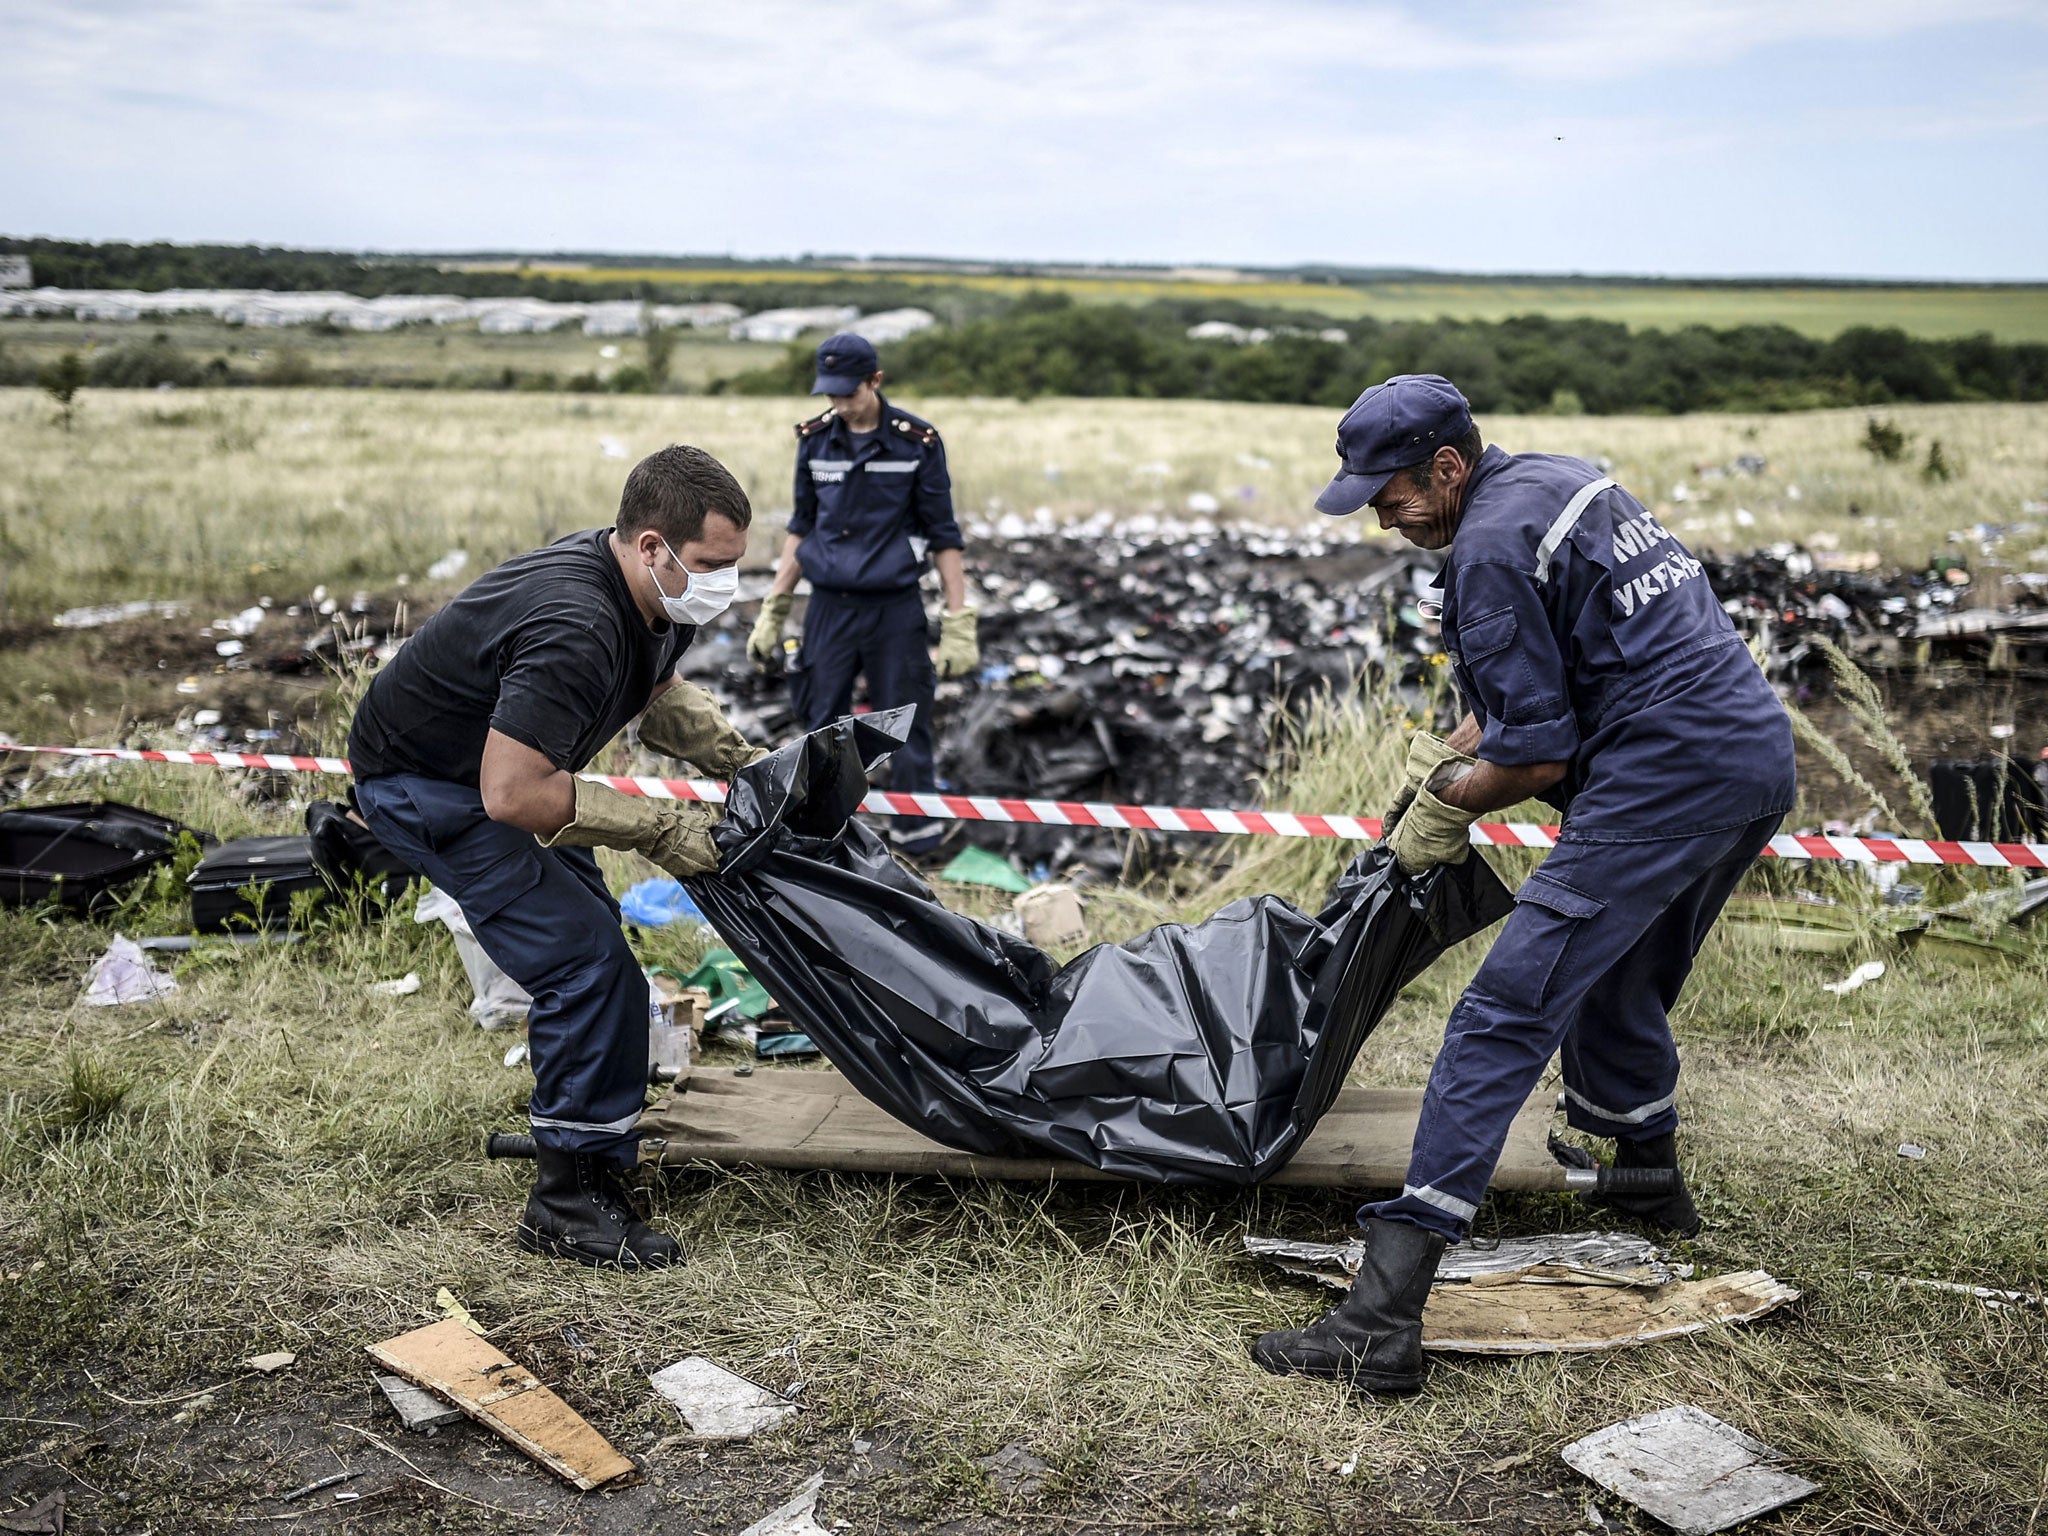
549 648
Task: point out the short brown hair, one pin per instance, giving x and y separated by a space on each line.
673 490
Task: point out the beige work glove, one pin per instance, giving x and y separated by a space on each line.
1431 832
675 834
686 722
1427 752
764 645
959 651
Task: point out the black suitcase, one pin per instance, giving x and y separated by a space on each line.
348 854
80 853
277 868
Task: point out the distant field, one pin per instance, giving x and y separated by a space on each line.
412 355
2008 313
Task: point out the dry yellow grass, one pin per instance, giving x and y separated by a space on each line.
229 494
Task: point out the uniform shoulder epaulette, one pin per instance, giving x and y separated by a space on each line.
917 431
815 425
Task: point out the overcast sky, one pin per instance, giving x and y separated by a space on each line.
1825 137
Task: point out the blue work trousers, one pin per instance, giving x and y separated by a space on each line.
548 920
883 639
1588 966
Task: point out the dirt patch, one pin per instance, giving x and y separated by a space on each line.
173 1468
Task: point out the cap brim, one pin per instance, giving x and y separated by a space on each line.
1346 493
837 384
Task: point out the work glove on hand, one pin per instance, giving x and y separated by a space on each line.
1427 752
764 645
686 722
959 652
675 834
1430 832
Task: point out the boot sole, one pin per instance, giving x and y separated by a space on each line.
1375 1382
550 1246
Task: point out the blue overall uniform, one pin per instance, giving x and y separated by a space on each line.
870 512
550 650
1582 632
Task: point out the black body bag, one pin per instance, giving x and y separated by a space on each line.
1190 1054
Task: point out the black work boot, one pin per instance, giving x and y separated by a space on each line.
1669 1210
580 1209
1373 1337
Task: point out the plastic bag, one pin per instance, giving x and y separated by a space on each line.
1199 1053
500 1002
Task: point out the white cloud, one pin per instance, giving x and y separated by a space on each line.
1287 130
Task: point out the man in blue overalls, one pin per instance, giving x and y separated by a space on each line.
873 506
1598 671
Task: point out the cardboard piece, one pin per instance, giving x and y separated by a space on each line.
716 1404
453 1363
1051 915
787 1119
1688 1469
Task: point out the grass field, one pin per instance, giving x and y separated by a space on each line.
2010 313
275 1158
411 357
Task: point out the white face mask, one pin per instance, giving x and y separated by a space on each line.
706 595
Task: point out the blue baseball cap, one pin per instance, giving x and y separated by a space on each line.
843 362
1392 426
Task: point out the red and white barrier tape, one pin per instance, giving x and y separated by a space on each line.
1157 818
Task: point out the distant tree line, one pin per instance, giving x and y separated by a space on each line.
154 268
1048 345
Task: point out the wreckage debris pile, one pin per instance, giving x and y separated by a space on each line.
1146 663
1149 660
1789 595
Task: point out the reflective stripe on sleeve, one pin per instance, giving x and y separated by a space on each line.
1560 530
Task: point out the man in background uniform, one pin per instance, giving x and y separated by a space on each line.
466 749
1597 670
873 508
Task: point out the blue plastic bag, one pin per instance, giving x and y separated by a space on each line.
658 902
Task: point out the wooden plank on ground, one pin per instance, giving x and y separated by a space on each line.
485 1383
798 1118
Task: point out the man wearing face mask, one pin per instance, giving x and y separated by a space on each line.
1597 671
466 750
873 505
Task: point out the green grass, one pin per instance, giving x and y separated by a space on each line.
273 1157
411 357
2009 312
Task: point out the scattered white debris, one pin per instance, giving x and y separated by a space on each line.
1995 1299
1912 1152
1865 973
242 625
124 975
1203 502
1686 1468
796 1518
516 1056
115 613
205 717
229 648
611 447
718 1405
272 1363
404 986
418 1409
449 566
